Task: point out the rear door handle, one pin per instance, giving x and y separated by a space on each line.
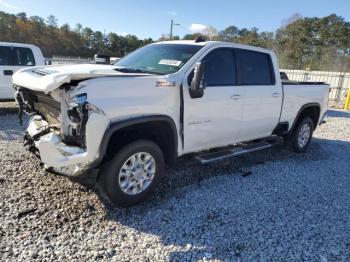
235 96
8 72
276 94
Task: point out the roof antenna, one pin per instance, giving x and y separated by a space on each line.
199 39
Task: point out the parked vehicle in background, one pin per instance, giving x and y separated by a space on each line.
212 100
283 75
102 59
13 57
115 60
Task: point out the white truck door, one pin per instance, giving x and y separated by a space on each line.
6 72
23 57
262 93
215 119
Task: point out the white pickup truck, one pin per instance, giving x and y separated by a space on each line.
212 100
13 57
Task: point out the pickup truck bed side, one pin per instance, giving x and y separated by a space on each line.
298 96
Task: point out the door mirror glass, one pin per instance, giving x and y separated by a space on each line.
198 84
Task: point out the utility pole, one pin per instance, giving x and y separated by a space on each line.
171 28
104 37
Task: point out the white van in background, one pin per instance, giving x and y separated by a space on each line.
14 57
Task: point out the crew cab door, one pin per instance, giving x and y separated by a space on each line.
6 72
23 57
262 93
215 119
12 59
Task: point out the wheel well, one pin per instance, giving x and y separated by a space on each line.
160 132
311 111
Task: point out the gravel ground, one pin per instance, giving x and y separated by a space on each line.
268 206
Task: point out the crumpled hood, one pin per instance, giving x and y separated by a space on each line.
48 78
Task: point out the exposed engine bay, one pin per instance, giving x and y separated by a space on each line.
62 114
58 127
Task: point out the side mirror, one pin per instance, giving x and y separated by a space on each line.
198 84
48 62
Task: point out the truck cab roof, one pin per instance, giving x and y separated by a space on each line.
17 44
215 43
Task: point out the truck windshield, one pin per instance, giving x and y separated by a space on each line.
159 59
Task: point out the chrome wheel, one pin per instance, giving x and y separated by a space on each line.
304 135
137 173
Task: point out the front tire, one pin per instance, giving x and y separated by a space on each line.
132 173
301 136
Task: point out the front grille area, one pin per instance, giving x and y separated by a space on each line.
42 104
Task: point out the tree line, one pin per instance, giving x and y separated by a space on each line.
64 40
300 43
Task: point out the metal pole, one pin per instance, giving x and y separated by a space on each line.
339 88
347 101
171 28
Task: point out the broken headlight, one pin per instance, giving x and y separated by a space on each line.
80 99
78 113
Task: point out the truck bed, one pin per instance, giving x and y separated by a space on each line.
298 94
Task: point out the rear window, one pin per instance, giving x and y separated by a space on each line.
254 68
5 55
23 56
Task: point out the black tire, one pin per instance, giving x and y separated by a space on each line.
292 141
110 171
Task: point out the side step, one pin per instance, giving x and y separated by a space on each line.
235 151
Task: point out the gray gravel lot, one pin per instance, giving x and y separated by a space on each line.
268 206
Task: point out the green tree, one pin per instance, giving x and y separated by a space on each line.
229 34
195 36
97 42
314 43
52 21
22 16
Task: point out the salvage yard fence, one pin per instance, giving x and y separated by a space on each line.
68 60
339 83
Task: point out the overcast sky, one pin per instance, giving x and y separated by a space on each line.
151 18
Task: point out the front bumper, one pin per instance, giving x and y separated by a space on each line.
62 158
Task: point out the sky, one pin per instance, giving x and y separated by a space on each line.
151 18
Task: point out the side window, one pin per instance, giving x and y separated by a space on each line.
23 57
254 68
220 67
5 55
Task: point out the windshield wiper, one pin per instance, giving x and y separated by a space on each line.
134 70
128 70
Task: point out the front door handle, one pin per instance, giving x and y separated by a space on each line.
8 72
235 96
276 94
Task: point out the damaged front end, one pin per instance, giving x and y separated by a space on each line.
64 130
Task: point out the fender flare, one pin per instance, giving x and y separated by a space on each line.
300 111
115 126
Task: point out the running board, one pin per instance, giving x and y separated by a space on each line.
235 151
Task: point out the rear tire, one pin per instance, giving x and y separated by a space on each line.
132 173
301 136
